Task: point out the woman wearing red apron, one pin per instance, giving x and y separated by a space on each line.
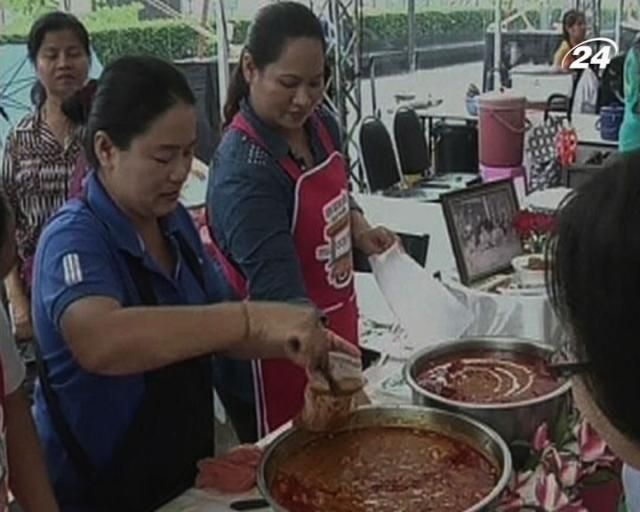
279 207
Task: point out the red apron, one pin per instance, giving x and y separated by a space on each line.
321 230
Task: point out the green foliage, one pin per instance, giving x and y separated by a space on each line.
388 31
28 7
22 20
124 15
118 31
240 30
171 40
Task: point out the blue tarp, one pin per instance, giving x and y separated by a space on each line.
17 76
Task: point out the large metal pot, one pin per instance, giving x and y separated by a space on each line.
513 421
482 438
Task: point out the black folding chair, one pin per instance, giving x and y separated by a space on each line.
411 142
558 103
378 155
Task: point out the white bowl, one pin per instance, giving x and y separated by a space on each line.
526 277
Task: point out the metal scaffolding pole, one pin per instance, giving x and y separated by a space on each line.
344 22
222 54
618 28
591 9
497 46
411 18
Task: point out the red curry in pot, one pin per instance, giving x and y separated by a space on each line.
488 376
384 469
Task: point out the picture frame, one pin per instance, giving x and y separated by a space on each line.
479 221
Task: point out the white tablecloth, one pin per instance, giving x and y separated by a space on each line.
520 315
523 316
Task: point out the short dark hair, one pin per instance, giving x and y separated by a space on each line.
273 26
594 283
131 93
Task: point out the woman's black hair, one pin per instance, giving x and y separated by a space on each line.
272 27
594 284
131 93
53 22
570 18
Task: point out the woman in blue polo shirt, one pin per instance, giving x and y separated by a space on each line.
278 199
121 294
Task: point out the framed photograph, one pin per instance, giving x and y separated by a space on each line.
480 224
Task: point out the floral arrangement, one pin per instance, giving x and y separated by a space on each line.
559 468
533 229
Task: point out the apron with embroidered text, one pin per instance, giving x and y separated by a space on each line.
321 230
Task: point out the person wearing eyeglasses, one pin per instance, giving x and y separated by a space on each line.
595 288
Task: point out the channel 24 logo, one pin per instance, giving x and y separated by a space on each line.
605 49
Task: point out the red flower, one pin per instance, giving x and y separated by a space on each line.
523 223
543 223
592 447
551 498
527 223
541 439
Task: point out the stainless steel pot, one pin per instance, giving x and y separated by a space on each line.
482 438
516 421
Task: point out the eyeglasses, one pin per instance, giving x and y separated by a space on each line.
569 369
560 364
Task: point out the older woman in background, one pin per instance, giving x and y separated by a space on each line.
44 149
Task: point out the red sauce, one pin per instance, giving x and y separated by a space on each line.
488 376
384 469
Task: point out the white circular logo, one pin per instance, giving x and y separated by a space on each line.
584 55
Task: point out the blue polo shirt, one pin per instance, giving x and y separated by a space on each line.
81 253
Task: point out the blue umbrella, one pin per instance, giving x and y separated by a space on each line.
17 77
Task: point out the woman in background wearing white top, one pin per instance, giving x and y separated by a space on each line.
22 466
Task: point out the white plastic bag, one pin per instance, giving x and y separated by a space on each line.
424 307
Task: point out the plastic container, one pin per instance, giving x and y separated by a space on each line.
471 102
502 125
610 121
500 173
517 174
